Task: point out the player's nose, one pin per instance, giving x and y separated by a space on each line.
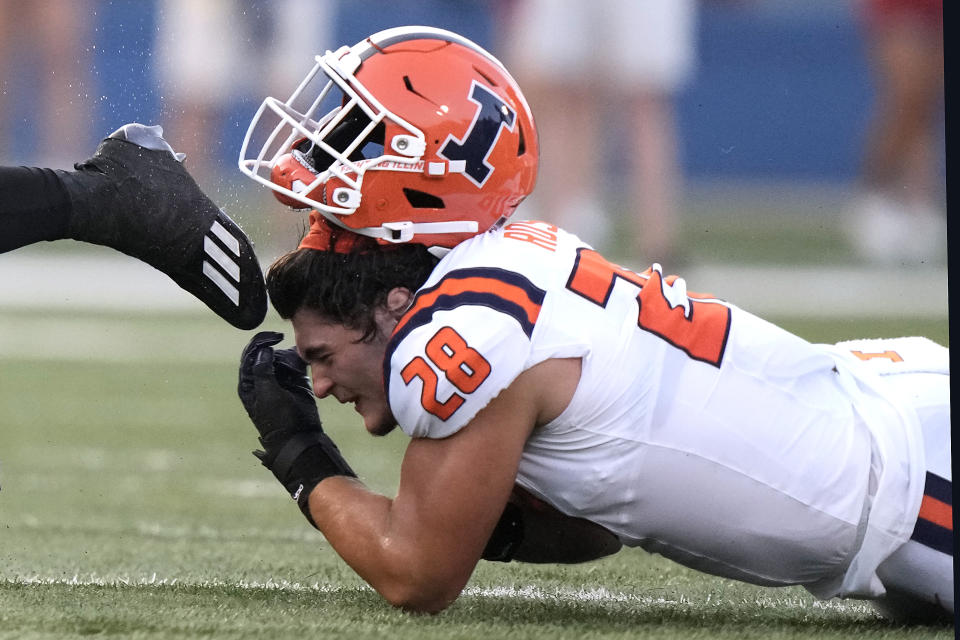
322 385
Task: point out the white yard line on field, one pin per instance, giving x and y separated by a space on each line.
529 592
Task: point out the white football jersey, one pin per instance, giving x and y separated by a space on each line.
697 430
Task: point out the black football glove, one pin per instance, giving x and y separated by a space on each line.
277 394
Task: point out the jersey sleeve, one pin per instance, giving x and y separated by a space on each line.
460 345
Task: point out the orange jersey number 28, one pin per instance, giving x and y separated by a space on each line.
463 366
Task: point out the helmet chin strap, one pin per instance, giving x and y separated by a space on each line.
404 231
399 232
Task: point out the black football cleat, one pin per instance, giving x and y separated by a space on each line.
135 196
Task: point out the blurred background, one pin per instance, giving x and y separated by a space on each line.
722 138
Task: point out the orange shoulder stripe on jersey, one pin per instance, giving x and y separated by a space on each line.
937 512
475 285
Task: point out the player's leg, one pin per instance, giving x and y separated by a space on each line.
919 575
657 41
34 206
898 213
135 196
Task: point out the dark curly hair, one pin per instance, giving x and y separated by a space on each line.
346 288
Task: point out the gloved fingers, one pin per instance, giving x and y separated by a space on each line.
290 359
263 363
250 353
262 339
253 354
291 371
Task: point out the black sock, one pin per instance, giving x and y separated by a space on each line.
34 206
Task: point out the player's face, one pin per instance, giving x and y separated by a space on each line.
344 367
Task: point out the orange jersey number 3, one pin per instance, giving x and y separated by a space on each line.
697 324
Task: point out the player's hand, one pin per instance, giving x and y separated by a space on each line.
274 387
275 391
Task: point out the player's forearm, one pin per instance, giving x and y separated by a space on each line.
383 546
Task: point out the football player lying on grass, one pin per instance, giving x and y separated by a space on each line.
135 196
530 371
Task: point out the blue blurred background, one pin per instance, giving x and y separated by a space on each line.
780 90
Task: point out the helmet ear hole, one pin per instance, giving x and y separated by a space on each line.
422 199
522 142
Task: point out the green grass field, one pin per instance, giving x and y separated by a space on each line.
132 508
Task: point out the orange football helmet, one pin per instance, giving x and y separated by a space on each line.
417 135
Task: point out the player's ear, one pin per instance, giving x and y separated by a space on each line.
399 300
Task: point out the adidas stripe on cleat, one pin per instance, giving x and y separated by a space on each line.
135 196
226 262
